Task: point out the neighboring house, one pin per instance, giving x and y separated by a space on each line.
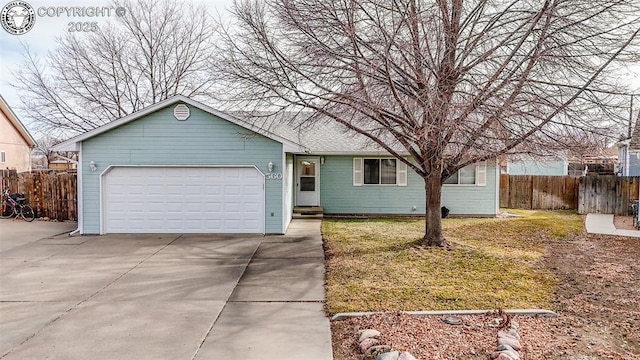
61 165
597 162
15 141
629 154
538 166
180 166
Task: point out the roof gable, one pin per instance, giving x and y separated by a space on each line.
17 124
73 143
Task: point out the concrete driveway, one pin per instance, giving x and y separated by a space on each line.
165 296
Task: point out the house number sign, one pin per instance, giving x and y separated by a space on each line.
273 176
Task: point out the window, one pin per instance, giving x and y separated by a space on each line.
475 174
308 176
3 157
380 171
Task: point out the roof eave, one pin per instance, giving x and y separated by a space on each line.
13 118
72 144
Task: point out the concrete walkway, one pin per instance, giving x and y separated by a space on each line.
277 309
603 224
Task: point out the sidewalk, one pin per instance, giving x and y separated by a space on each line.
277 309
603 224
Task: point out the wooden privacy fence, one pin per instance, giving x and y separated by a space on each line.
607 194
539 192
51 194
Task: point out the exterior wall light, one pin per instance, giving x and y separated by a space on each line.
270 166
93 167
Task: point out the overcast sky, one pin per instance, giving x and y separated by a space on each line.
41 39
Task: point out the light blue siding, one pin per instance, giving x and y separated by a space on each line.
538 167
634 166
634 163
471 199
159 139
629 161
339 196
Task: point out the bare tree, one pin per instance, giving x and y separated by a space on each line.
156 50
44 148
450 82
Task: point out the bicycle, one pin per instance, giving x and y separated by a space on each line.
14 205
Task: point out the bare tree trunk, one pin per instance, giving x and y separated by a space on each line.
433 224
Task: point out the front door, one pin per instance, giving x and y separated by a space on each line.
308 181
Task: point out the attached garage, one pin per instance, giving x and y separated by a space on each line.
174 199
179 166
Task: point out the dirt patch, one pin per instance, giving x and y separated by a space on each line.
623 222
600 293
598 304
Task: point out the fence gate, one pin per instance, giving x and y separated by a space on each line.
607 194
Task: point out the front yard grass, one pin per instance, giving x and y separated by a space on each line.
376 264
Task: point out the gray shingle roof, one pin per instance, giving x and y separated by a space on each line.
318 135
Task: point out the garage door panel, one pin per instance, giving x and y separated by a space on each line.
251 190
173 199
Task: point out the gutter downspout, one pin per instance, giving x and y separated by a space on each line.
627 155
79 199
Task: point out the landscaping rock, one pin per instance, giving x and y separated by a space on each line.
367 343
502 347
514 325
503 356
391 355
509 333
369 334
510 341
406 356
511 353
452 320
495 322
375 351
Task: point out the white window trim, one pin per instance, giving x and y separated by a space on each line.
3 157
358 172
481 176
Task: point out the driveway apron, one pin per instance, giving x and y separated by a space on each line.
163 296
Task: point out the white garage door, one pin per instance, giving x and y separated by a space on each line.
183 200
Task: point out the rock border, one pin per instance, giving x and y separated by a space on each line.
520 312
371 346
508 347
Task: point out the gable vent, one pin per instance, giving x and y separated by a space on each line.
181 112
